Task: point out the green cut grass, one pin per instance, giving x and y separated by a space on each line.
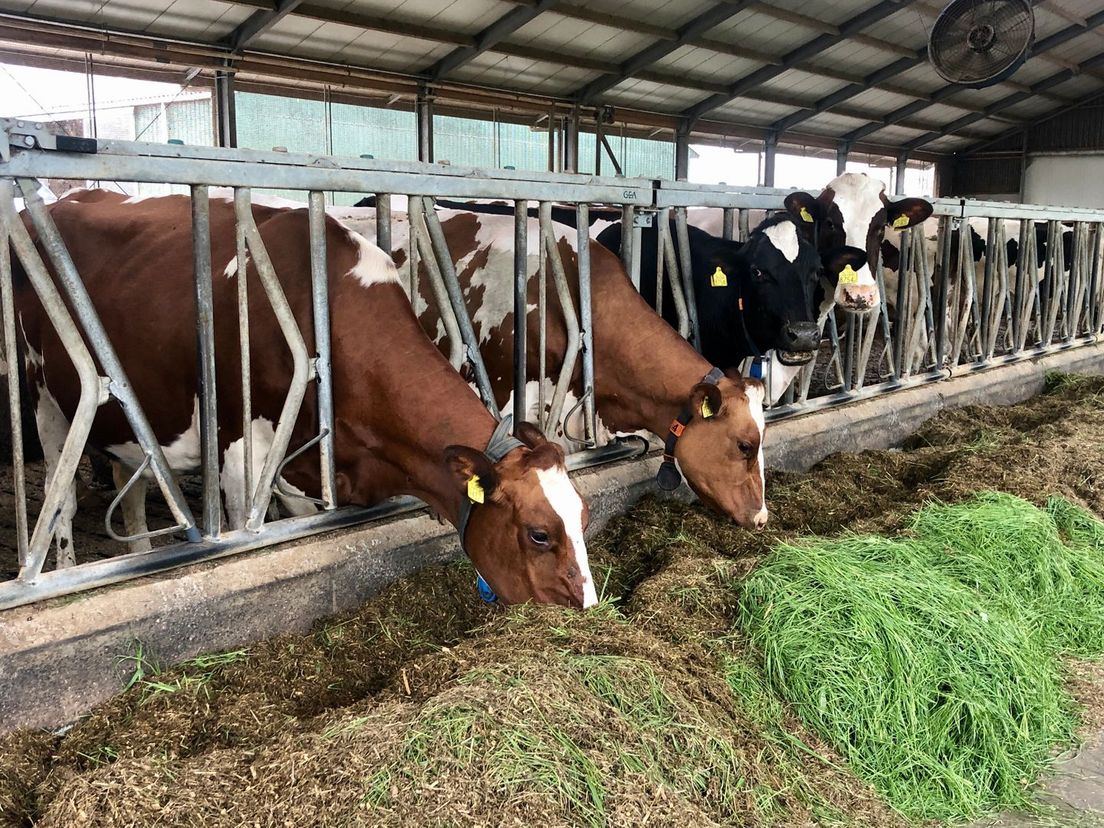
945 704
1046 566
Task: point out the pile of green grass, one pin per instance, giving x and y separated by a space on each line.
931 661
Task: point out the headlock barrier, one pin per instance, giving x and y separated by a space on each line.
978 285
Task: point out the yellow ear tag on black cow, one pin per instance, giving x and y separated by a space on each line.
901 221
475 489
718 279
848 276
707 409
806 215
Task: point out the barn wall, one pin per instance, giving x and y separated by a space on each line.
1069 180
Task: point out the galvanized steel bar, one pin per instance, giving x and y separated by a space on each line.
11 357
455 295
586 314
323 361
119 384
205 337
383 222
728 223
682 234
432 263
548 247
92 389
301 367
628 237
242 254
521 284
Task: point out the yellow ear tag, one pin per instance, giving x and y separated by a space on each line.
707 409
901 221
848 276
806 215
475 489
718 279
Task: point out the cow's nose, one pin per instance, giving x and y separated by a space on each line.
760 519
801 336
860 298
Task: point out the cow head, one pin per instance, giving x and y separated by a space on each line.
782 270
847 221
525 532
720 451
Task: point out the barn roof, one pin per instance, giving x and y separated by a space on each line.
814 73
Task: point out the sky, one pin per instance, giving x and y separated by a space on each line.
28 91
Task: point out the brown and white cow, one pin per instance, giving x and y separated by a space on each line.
646 375
405 422
847 222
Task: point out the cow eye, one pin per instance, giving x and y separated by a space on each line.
745 448
539 537
756 273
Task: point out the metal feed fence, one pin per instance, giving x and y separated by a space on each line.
907 340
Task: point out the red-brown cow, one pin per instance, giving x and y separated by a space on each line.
405 422
646 375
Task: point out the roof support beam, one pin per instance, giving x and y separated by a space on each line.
854 25
1055 40
258 23
1004 103
1042 119
699 25
489 37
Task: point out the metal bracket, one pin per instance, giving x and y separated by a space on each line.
35 135
277 484
642 218
119 499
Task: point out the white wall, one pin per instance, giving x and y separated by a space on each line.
1066 180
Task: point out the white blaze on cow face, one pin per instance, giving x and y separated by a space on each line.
569 506
784 238
859 199
755 394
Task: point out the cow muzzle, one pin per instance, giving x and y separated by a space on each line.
798 342
857 298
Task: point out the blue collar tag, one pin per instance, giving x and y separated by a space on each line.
758 369
485 591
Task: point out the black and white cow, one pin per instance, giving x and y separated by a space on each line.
847 223
751 297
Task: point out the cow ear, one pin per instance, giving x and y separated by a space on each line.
543 449
475 473
908 212
706 400
530 435
804 208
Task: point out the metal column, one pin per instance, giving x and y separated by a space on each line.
899 178
842 152
682 152
226 121
423 110
770 150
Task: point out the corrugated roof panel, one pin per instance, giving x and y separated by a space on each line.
747 111
855 58
218 19
802 84
99 13
521 73
762 32
644 94
706 64
834 13
878 101
331 41
831 123
668 13
909 27
468 16
556 32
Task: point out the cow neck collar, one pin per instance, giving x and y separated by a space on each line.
502 442
669 477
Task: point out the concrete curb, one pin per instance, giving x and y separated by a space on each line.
60 658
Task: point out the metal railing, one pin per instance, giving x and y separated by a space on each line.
203 537
941 314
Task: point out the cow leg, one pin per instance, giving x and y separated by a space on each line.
53 428
133 505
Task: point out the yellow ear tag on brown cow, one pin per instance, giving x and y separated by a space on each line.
901 221
475 489
718 279
707 409
806 215
848 276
